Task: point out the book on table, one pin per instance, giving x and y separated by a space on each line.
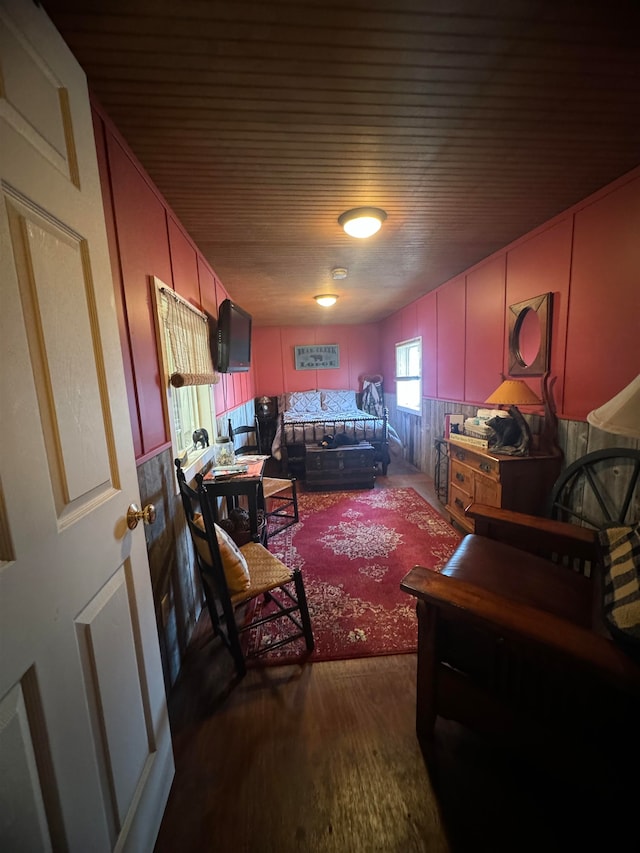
227 470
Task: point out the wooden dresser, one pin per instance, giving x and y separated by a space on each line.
348 467
520 483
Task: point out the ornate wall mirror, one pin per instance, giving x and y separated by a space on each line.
530 336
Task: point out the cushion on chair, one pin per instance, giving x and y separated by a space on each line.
620 547
522 577
267 571
236 570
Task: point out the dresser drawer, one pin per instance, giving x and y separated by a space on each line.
459 500
487 491
478 461
467 482
462 476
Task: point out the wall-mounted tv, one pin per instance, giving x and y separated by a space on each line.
233 339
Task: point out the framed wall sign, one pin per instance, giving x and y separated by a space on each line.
322 357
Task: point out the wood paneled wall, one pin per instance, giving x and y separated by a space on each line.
418 433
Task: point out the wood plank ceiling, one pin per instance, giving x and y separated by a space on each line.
469 123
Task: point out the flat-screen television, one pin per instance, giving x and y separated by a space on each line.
233 338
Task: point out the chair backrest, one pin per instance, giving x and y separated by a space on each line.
250 434
207 552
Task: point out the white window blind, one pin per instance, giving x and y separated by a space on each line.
409 374
187 333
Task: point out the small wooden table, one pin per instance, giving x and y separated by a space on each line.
232 486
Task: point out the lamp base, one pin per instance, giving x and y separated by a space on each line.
548 441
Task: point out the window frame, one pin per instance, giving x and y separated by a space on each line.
403 348
200 397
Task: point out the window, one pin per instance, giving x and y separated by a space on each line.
409 374
183 338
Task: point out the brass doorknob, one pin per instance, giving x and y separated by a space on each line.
135 514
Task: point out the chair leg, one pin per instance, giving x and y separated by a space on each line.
233 640
282 513
426 687
304 609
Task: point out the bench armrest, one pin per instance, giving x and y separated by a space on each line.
522 622
542 536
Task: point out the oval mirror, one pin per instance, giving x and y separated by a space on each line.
530 336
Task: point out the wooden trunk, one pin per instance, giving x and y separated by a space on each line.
349 467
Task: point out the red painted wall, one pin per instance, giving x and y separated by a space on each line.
427 325
589 258
143 249
485 329
450 305
146 239
274 357
603 332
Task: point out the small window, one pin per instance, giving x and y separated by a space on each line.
183 339
409 374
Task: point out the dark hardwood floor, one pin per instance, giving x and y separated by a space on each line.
324 758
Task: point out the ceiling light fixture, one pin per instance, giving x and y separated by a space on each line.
338 273
362 221
326 299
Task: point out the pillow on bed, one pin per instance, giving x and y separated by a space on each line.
338 401
302 402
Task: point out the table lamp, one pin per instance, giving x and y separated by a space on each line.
514 393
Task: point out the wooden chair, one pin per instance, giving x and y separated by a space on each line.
510 639
280 494
230 597
252 431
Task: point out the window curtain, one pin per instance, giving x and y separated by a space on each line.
187 333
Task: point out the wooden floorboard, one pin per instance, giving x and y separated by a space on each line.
323 757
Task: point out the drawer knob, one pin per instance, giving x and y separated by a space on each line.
458 502
484 466
459 477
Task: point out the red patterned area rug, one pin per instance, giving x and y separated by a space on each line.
354 548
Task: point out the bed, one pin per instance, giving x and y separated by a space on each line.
306 417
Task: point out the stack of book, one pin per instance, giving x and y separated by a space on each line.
469 440
228 470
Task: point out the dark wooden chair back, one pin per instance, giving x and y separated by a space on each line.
245 438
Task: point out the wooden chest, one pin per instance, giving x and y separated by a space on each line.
349 467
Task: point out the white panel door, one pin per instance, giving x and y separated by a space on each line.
85 748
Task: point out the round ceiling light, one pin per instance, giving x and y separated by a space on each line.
362 221
326 299
338 273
